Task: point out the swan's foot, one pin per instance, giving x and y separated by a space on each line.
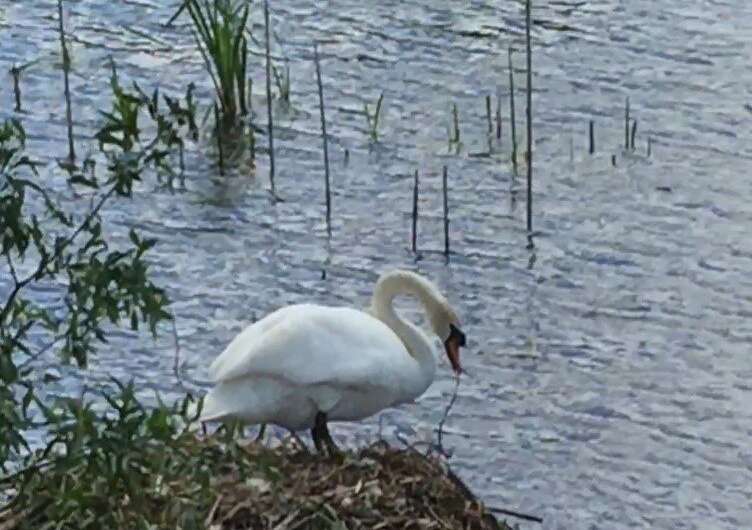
260 436
321 436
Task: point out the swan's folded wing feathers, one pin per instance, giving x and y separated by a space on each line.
313 345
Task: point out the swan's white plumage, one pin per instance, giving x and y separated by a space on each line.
306 358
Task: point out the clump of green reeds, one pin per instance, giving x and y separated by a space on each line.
219 27
373 119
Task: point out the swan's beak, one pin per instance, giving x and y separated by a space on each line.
452 345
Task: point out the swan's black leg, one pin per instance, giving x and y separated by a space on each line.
324 436
260 435
319 427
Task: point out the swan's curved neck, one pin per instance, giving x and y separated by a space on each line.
387 288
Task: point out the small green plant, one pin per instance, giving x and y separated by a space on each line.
372 120
283 83
219 29
121 130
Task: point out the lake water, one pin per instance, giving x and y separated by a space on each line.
609 369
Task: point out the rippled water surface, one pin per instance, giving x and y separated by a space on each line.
610 373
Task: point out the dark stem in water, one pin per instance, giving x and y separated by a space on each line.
269 98
529 124
592 136
323 135
16 73
456 120
415 214
66 69
626 125
488 115
498 117
650 146
446 213
512 111
633 134
218 133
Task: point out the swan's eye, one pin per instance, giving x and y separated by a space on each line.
456 332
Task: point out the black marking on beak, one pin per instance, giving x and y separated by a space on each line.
455 332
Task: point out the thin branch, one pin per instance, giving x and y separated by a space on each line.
43 263
446 414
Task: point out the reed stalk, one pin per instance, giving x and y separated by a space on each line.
529 50
591 128
446 212
324 138
512 118
16 73
66 70
488 115
269 97
626 124
415 214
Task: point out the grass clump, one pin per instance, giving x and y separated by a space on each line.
372 119
219 27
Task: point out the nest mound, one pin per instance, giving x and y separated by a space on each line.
222 485
377 487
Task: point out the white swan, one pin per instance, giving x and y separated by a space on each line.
305 364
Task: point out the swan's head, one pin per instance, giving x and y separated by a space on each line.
446 325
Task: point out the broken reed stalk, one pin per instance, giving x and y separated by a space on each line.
218 133
252 144
415 214
269 97
446 213
488 115
529 51
66 68
323 135
512 111
456 120
176 14
626 125
632 135
498 116
592 137
16 73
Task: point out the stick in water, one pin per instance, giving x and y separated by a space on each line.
269 98
498 116
512 112
323 135
488 115
632 135
592 137
626 125
446 214
16 73
66 68
415 214
529 125
218 132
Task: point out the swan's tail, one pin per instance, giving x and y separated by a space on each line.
239 399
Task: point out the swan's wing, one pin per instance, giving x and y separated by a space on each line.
309 344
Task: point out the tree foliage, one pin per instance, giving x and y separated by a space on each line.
44 244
